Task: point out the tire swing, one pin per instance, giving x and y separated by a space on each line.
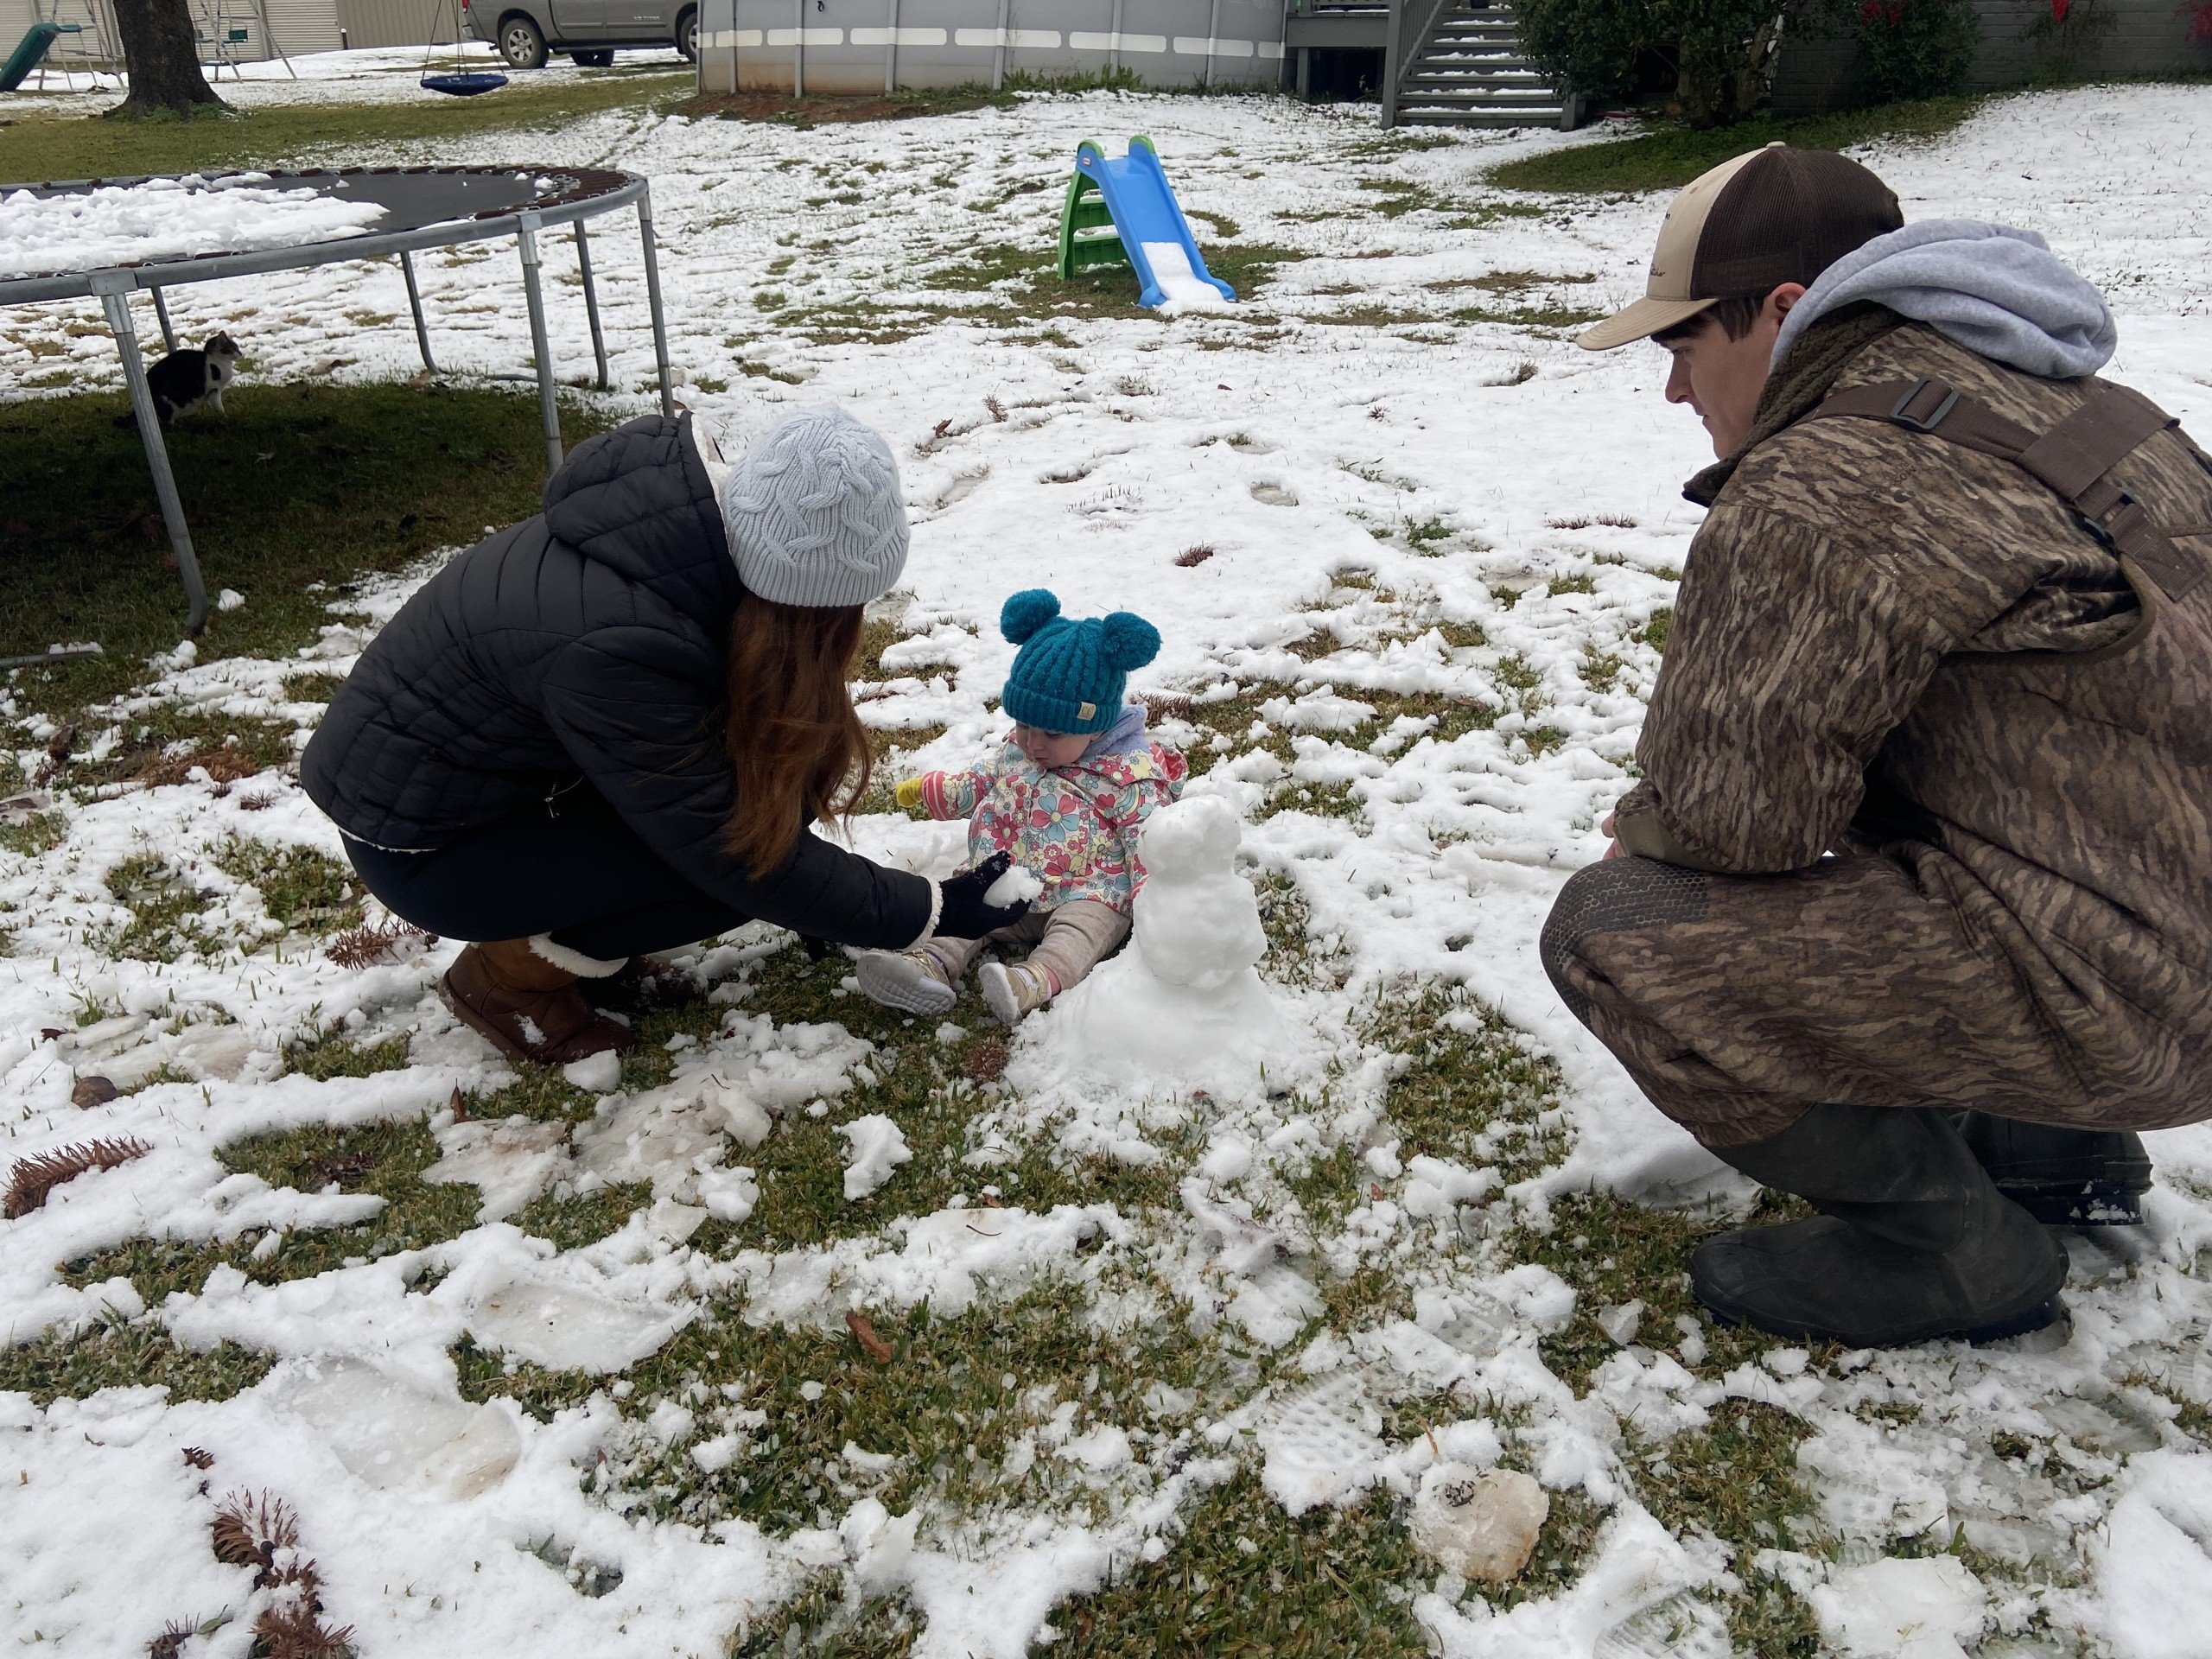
458 82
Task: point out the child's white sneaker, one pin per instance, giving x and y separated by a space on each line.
1013 990
911 980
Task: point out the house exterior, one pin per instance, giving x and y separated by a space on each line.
870 46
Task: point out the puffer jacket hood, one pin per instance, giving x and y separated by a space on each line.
645 509
2000 292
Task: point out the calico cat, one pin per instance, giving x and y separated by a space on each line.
185 380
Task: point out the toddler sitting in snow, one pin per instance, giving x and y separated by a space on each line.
1063 798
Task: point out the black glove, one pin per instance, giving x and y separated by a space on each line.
962 913
820 949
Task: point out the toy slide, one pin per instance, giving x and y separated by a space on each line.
27 55
1124 212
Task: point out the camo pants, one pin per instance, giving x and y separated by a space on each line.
1736 1002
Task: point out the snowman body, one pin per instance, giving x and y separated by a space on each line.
1185 1004
1198 921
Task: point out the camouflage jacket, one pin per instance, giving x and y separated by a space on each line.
1888 644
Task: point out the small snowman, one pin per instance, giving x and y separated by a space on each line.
1198 921
1184 1000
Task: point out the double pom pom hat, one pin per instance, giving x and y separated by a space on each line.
1069 673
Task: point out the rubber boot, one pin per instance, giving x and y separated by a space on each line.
1013 989
2064 1178
527 1006
1913 1242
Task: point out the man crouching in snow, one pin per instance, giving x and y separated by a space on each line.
1911 914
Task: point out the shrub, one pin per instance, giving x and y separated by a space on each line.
1914 48
1711 59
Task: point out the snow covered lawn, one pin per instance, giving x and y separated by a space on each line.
688 1356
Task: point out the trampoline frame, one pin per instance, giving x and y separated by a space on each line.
113 288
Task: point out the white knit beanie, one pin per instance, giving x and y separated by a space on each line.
815 513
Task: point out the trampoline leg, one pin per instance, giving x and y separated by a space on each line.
415 305
591 302
116 301
652 299
162 313
539 347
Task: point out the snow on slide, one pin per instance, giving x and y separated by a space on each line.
167 218
1171 269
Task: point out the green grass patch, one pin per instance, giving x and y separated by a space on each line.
306 890
77 147
952 1406
1473 1091
161 745
386 1159
300 490
41 832
164 910
57 1366
926 1088
1246 1579
1669 159
332 1054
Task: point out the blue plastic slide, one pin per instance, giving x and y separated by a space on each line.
1154 236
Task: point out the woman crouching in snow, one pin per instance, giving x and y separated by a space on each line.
608 730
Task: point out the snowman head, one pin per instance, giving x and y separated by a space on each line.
1191 840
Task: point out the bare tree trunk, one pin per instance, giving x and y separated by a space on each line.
163 58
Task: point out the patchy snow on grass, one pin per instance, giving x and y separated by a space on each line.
808 1318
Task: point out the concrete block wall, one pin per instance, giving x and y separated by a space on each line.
855 46
2102 38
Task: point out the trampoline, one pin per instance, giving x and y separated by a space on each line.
423 207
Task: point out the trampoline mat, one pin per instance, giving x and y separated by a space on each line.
413 198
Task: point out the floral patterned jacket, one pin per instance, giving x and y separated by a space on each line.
1075 827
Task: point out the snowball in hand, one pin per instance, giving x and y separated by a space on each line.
1016 887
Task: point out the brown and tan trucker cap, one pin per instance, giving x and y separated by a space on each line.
1765 218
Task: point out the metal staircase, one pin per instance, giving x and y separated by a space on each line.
1469 73
1444 62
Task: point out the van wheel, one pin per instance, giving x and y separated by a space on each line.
599 57
521 44
687 35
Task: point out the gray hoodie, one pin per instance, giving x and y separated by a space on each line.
1998 292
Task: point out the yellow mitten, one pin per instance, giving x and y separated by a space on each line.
908 792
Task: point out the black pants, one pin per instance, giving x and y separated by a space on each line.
577 872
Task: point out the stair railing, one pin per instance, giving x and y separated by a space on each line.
1411 22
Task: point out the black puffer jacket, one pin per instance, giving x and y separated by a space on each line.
586 645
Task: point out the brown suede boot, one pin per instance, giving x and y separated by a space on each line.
529 1008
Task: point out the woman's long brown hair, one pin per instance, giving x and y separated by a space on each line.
799 751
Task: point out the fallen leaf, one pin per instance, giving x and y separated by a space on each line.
864 1333
92 1090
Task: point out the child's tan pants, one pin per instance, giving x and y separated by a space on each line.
1066 941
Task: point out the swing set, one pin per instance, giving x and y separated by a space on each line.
458 82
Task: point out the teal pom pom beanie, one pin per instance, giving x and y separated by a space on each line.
1069 675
